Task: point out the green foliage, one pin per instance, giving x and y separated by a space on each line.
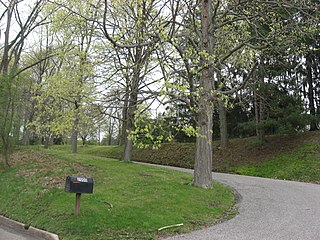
114 210
7 104
247 128
10 112
285 113
148 131
66 93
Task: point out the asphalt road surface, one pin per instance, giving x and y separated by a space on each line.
268 210
10 234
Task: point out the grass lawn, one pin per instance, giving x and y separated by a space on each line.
294 157
130 201
303 164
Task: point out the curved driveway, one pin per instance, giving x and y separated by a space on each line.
11 234
268 210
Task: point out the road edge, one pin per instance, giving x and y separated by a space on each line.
35 232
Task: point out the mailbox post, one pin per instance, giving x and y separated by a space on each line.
77 208
78 185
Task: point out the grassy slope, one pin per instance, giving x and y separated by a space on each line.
130 201
287 157
303 164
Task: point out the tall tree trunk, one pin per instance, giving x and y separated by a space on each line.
261 131
313 123
46 142
204 154
256 111
4 66
6 123
130 127
26 136
139 62
223 125
119 129
203 160
110 130
16 127
259 109
5 153
84 140
123 137
74 136
127 151
7 97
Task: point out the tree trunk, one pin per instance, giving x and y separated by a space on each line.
256 111
46 142
133 90
262 117
83 140
111 126
223 125
16 128
259 108
123 137
5 158
5 153
127 151
130 127
119 130
74 141
25 136
6 48
203 160
74 136
313 123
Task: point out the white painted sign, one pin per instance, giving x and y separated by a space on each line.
82 179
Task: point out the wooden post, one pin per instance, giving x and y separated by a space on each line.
77 207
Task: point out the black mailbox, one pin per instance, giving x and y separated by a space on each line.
79 185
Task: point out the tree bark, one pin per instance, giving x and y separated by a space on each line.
46 142
5 153
262 132
130 127
74 136
259 107
84 140
123 137
256 111
110 130
313 123
128 151
26 136
203 159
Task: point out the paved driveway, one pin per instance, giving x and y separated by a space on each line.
268 210
10 234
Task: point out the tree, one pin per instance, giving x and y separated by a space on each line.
69 90
231 35
11 50
203 162
134 30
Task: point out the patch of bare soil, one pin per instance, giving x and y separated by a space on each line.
38 168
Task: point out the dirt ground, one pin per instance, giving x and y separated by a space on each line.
41 169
